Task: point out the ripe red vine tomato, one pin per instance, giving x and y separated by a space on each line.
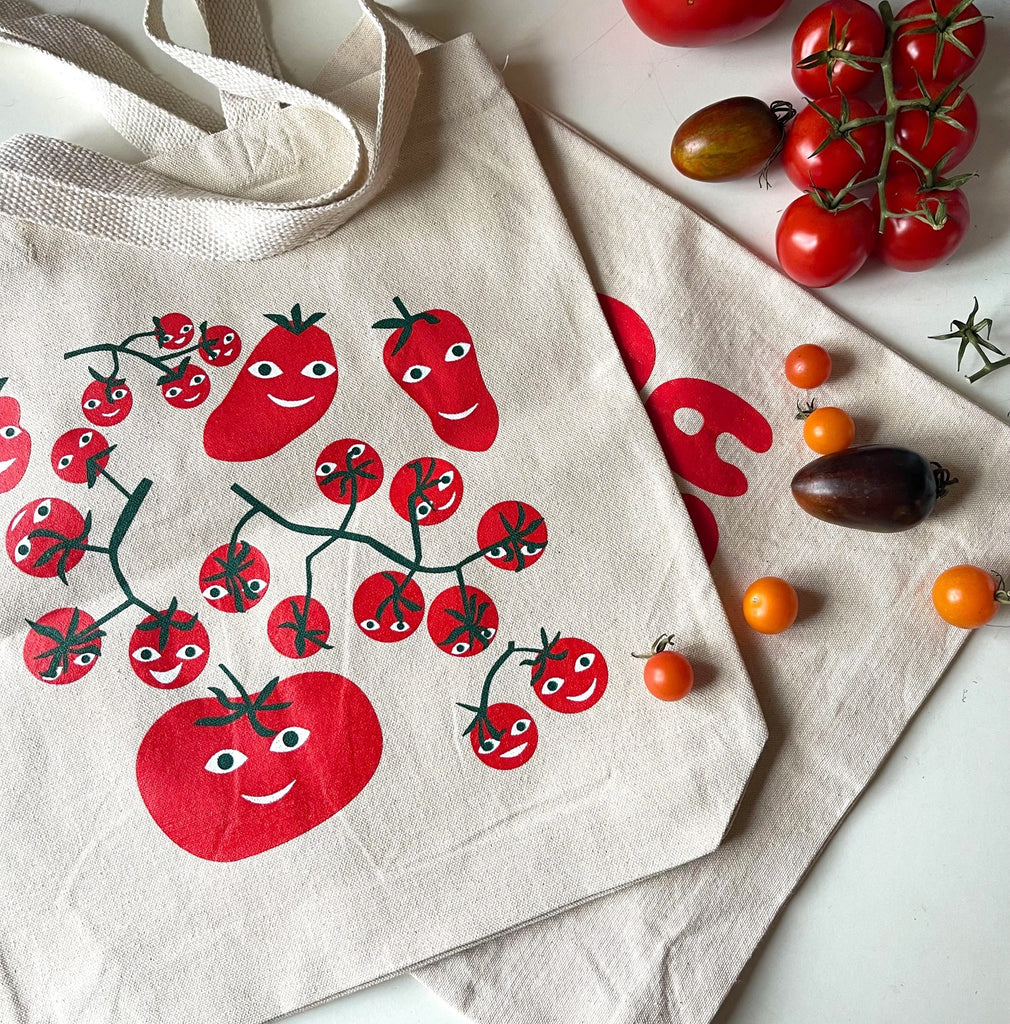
513 534
828 430
46 538
106 403
770 605
234 578
174 330
708 23
967 596
928 138
516 742
297 631
224 348
808 366
932 235
170 649
73 451
848 25
388 607
818 247
347 470
62 646
936 46
186 386
431 487
570 675
462 625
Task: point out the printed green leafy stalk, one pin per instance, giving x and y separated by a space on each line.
294 323
75 641
404 323
245 706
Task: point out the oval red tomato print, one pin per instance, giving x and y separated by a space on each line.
229 777
462 622
430 488
170 649
106 401
511 739
633 337
234 577
432 357
62 646
348 471
569 675
15 443
512 535
284 387
47 538
388 607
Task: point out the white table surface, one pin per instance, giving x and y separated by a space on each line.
906 916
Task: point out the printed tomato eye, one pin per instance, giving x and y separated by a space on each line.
400 627
225 761
91 403
228 338
489 746
173 392
326 468
190 652
215 593
86 658
146 654
22 551
42 512
186 329
370 625
457 351
290 739
416 373
422 510
445 480
117 395
257 585
356 451
64 462
54 673
198 378
460 648
530 549
498 552
553 684
9 432
584 661
85 439
488 633
264 369
520 727
319 370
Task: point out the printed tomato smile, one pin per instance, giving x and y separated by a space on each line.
271 798
459 415
293 404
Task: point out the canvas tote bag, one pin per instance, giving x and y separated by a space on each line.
316 628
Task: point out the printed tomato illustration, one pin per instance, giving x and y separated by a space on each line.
47 538
227 778
173 330
79 455
284 387
15 443
510 742
220 346
388 607
431 487
432 357
462 622
633 337
348 471
234 577
297 631
186 386
512 534
106 402
170 649
62 646
569 675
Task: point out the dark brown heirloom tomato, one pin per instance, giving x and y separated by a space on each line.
733 138
870 487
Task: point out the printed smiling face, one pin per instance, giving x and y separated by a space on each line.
516 742
433 488
106 403
186 388
228 778
170 650
571 677
15 445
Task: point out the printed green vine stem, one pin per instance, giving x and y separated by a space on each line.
970 334
169 370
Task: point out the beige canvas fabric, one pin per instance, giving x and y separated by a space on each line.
225 801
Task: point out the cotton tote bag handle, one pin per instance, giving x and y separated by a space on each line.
51 182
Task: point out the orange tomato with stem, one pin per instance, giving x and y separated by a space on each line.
967 596
770 605
808 366
827 430
668 674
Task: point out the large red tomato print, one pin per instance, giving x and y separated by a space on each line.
173 330
62 646
462 623
106 402
47 538
571 675
512 535
633 337
220 346
235 577
701 22
433 488
79 455
348 471
170 649
511 741
284 387
432 357
15 444
186 386
298 629
228 778
388 607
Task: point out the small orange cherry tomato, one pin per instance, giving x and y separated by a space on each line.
967 596
829 430
668 674
808 366
770 605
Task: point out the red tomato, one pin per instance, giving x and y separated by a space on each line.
388 607
462 626
515 742
633 337
296 631
173 330
15 445
839 162
348 471
62 646
74 450
929 138
818 247
848 25
284 387
808 366
708 23
432 487
106 402
570 675
432 357
186 386
228 778
512 535
668 675
911 243
235 578
942 45
224 348
46 538
170 649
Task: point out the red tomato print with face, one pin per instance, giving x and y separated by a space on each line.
46 538
513 535
185 387
570 676
15 444
516 742
633 337
234 577
348 471
223 346
106 402
284 387
462 624
174 330
297 630
433 488
432 357
170 649
62 646
227 778
72 452
388 607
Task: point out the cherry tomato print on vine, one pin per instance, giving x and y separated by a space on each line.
951 44
106 403
848 25
633 337
62 646
388 607
668 675
569 676
170 649
770 605
174 330
808 366
512 535
227 778
185 387
462 624
433 488
818 248
701 24
933 234
515 743
79 455
234 578
46 538
828 430
348 471
15 445
297 630
929 138
223 346
968 597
